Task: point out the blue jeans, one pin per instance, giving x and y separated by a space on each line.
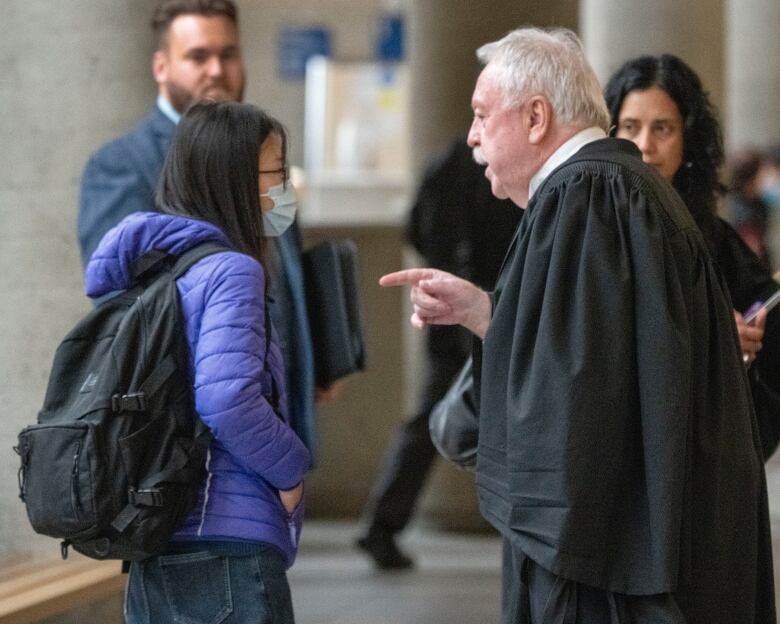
206 588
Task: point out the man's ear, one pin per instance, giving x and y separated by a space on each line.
160 66
539 119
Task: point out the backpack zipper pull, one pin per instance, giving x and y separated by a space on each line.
23 451
64 548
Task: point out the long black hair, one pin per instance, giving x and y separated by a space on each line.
211 170
697 179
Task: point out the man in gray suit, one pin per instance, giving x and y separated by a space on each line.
198 56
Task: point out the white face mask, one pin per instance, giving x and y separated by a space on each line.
280 217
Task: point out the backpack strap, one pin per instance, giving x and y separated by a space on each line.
149 493
136 401
151 263
154 260
148 264
192 256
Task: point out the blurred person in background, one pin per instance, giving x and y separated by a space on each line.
745 209
769 177
658 103
458 225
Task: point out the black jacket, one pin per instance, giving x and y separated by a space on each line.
459 226
749 280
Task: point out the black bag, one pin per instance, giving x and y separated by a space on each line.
118 454
453 422
334 308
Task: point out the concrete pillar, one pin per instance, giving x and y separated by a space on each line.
85 78
72 79
752 107
614 31
443 38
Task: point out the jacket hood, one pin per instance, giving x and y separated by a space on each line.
108 269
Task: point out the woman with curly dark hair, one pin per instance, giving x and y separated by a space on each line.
658 103
682 121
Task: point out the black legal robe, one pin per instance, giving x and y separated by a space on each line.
748 281
618 447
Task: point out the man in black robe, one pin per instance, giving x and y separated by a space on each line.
618 451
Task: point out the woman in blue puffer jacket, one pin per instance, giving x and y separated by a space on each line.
227 562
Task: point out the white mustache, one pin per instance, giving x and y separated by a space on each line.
478 156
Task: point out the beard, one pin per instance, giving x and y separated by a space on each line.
182 98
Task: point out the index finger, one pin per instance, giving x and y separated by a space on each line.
407 277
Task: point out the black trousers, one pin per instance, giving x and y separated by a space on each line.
408 457
532 595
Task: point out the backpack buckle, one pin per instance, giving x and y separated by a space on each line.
134 402
152 497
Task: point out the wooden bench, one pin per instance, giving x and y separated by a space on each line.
32 591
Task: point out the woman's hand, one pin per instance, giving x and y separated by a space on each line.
750 336
291 498
332 393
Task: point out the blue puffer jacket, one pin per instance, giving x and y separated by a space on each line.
254 453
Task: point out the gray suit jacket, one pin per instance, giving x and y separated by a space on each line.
121 178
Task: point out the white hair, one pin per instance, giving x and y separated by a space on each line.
532 61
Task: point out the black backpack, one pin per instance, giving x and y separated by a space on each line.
117 457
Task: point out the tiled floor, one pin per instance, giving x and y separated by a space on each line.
456 580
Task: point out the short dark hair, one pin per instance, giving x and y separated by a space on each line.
697 179
169 10
211 170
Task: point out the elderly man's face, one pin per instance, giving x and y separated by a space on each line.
500 140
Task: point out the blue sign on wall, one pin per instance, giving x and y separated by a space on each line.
296 45
390 38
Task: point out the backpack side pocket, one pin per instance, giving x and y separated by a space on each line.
56 482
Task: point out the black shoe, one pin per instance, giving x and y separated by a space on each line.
383 550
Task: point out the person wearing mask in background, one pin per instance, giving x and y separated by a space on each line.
658 103
769 192
769 177
745 210
227 562
198 57
617 449
458 225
